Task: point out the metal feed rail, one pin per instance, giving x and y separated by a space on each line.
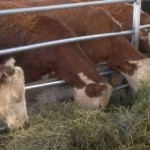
145 26
44 84
62 41
60 6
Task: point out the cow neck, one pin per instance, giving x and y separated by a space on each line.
121 53
75 65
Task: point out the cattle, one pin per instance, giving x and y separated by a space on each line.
66 61
117 52
119 11
12 95
123 12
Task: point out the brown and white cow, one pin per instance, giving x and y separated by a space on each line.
123 12
12 95
119 12
117 52
66 62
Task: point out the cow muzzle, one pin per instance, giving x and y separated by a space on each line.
18 123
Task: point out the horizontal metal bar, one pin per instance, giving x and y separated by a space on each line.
145 26
121 87
45 84
62 41
61 6
105 73
35 86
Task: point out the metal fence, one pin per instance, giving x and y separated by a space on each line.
134 32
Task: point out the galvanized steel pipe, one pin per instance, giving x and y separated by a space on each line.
34 86
62 41
145 26
136 23
57 7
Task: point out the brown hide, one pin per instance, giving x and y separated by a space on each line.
126 21
116 51
63 61
123 12
119 12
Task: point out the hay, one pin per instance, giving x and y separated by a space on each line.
66 126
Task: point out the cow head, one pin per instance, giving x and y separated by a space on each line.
141 74
12 95
93 95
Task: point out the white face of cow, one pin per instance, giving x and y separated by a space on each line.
93 95
141 74
96 102
12 99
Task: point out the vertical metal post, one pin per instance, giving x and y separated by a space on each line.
136 23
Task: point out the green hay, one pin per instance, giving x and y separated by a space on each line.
67 126
142 99
120 98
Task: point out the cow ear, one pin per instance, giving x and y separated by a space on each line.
134 62
10 62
